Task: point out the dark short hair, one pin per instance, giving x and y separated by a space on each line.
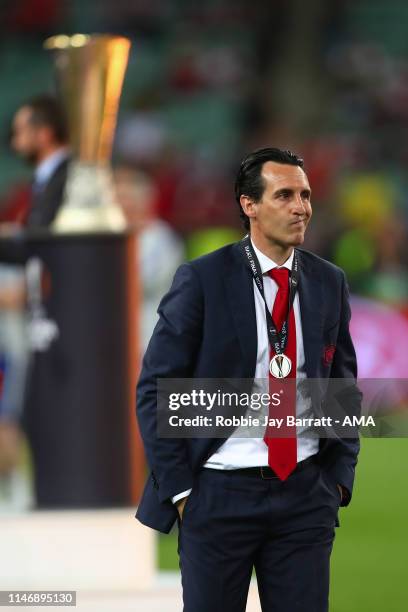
46 110
249 179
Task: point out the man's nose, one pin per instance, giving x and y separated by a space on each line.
299 205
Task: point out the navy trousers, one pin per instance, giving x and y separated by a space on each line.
234 522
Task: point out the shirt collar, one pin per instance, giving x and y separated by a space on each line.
268 264
47 167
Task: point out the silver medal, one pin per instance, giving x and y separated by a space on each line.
280 366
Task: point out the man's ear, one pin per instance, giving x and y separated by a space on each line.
248 206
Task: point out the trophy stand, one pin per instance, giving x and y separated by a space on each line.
82 291
80 416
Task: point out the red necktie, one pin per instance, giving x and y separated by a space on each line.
282 451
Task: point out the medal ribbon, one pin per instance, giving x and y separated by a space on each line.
277 340
281 443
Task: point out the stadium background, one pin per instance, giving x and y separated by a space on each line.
209 81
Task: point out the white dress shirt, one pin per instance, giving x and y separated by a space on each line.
240 452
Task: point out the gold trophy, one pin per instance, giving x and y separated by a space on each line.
90 72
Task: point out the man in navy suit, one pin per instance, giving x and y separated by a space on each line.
243 503
39 135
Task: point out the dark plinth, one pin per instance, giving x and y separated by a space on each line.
78 414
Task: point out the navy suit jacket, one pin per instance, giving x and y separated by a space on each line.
44 208
46 204
207 329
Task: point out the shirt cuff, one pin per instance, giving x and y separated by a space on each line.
179 496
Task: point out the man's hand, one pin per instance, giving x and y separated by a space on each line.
340 488
180 506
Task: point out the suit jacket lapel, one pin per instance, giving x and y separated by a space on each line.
311 301
240 295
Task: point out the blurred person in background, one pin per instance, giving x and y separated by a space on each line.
14 355
159 250
39 135
14 489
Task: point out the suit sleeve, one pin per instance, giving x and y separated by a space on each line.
171 353
345 450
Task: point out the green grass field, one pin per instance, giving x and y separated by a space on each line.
370 558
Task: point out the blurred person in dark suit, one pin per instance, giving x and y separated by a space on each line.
39 135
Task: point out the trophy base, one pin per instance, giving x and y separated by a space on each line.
89 203
84 220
